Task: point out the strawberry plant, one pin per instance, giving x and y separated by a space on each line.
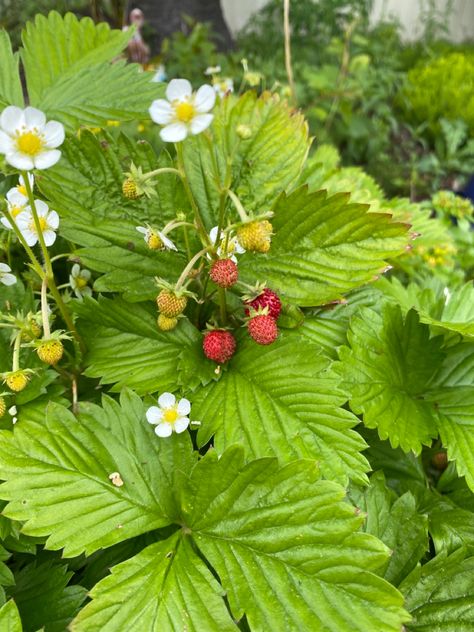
228 402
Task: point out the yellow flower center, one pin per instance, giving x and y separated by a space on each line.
81 282
22 189
154 242
43 223
30 143
15 210
170 415
184 111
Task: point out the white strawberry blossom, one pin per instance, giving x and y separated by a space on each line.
223 86
48 221
78 280
183 112
150 235
229 249
16 204
170 415
27 140
6 277
21 188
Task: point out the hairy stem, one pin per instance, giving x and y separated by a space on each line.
44 308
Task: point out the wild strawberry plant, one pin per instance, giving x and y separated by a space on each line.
197 347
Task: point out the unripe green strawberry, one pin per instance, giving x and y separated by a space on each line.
50 351
263 329
224 273
3 406
255 236
171 304
165 323
129 189
17 380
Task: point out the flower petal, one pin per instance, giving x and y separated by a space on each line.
141 229
178 89
200 122
213 234
4 267
24 219
205 98
167 242
174 133
6 143
53 220
47 158
75 270
29 236
5 222
11 119
166 400
184 407
154 415
34 117
7 278
31 180
20 161
41 208
161 112
181 424
15 198
49 237
53 134
163 430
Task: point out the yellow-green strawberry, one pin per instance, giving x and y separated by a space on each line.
50 351
17 380
165 323
171 304
255 236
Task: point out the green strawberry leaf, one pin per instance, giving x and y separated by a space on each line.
323 247
283 400
11 92
62 488
440 594
10 618
169 587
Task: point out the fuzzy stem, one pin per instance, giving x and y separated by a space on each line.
188 268
44 309
36 264
39 231
157 172
16 353
238 206
223 305
172 225
286 29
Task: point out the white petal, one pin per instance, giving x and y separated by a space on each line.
6 143
31 179
53 134
4 267
47 158
181 424
213 234
7 278
75 270
49 237
142 229
178 89
166 400
238 248
161 112
205 98
167 242
29 236
184 406
24 219
85 274
154 415
163 430
200 122
20 161
5 222
34 118
12 118
174 133
15 198
86 291
41 208
53 220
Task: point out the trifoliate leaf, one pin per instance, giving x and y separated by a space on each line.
286 548
104 222
388 370
44 599
323 247
262 166
440 594
169 587
10 84
63 487
10 618
397 522
284 401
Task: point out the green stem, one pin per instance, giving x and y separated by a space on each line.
16 353
44 309
36 264
238 206
197 215
223 305
189 267
39 231
172 225
157 172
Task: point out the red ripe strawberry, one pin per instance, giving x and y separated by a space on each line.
263 329
219 345
224 272
268 298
